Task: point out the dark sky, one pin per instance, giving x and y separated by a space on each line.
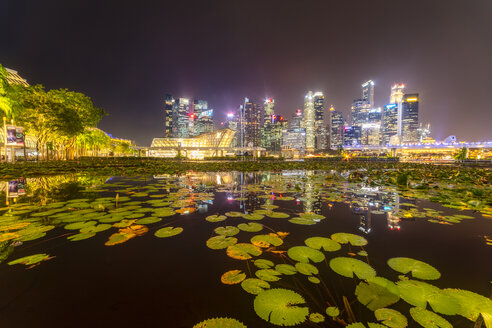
127 55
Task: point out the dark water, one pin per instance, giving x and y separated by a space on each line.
175 282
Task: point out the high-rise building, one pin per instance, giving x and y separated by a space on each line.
308 121
319 123
390 123
268 115
361 107
279 125
294 137
371 131
397 92
352 135
368 93
203 117
410 118
169 119
252 123
336 127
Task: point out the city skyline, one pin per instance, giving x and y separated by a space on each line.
127 62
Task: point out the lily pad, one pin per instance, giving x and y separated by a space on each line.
302 221
304 254
332 311
327 244
314 280
263 264
233 277
428 319
265 241
96 228
79 225
119 238
286 269
344 238
148 220
234 214
253 216
347 267
472 305
312 216
81 236
250 227
215 218
281 307
278 215
377 293
220 323
243 251
220 242
268 274
306 268
168 232
418 269
316 317
391 318
254 286
31 259
227 231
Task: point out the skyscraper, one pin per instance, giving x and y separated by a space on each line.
361 107
184 116
368 93
352 135
337 123
203 117
294 137
371 130
410 118
319 123
252 123
308 122
390 123
266 132
169 119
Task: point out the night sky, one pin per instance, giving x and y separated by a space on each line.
127 55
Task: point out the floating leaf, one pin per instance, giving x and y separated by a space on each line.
391 318
419 269
265 241
215 218
250 227
79 225
377 293
81 236
332 311
119 238
7 236
220 323
286 269
344 238
168 232
148 220
312 216
243 251
253 216
356 325
263 264
302 221
233 277
362 253
316 317
96 228
472 305
227 231
327 244
268 274
306 268
124 223
135 229
31 259
314 280
347 267
220 242
254 286
278 215
280 307
234 214
428 319
304 254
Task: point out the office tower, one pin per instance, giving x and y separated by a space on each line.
410 118
203 117
361 107
390 123
266 133
368 93
424 132
319 123
231 122
252 123
169 119
294 137
308 121
182 117
336 127
352 135
397 92
279 124
371 130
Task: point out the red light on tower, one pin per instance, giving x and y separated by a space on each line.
192 115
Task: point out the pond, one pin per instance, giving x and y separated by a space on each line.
292 248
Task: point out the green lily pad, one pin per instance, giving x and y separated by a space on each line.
377 293
281 307
243 251
344 238
227 231
391 318
314 280
316 317
81 236
263 264
265 241
250 227
302 221
168 232
472 305
124 223
304 254
79 225
278 215
232 277
31 259
96 228
428 319
220 242
234 214
356 325
215 218
253 216
268 274
254 286
347 267
220 323
332 311
327 244
148 220
306 268
312 216
362 253
419 269
286 269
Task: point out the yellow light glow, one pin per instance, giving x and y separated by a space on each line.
412 99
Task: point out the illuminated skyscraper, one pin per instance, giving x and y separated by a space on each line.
352 135
336 127
294 137
368 93
361 107
319 123
410 118
203 120
397 92
308 122
182 115
371 130
268 117
252 123
390 123
169 119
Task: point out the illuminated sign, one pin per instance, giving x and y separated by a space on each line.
15 135
414 99
390 106
208 113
